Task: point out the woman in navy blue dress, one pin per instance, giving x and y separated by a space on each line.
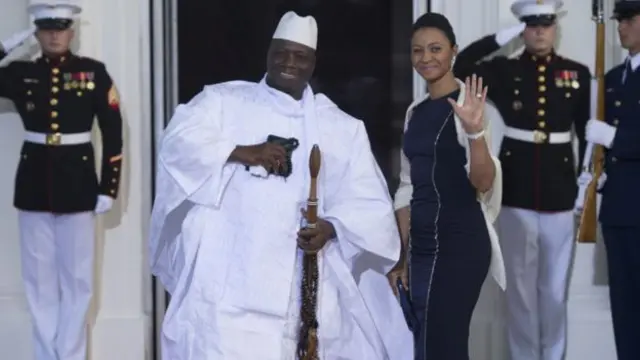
446 235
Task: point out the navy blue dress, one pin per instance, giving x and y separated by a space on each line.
450 250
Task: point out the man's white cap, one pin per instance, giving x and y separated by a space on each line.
524 8
302 30
53 9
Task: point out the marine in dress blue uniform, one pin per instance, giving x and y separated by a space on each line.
57 191
620 207
541 96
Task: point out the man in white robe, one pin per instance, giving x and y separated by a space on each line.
225 235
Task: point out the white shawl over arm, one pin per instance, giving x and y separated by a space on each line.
192 169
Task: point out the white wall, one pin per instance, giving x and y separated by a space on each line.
590 332
115 32
14 333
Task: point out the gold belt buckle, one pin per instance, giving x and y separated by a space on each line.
539 137
54 139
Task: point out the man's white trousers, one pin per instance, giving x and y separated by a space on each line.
57 268
537 250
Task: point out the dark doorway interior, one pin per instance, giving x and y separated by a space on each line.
363 48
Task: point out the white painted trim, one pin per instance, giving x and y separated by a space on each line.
419 85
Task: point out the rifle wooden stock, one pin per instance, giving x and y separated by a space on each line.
587 230
308 337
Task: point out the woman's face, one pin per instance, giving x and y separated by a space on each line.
431 53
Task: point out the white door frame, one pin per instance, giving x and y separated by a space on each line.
164 61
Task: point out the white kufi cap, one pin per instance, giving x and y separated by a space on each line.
302 30
523 8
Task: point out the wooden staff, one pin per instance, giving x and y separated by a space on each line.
594 155
308 338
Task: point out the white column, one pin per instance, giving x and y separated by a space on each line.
15 330
116 32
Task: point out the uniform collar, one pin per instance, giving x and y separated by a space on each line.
56 61
527 56
635 61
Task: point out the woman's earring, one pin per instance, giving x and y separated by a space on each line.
453 61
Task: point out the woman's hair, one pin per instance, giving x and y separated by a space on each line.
435 21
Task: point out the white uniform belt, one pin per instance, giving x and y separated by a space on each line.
57 138
537 136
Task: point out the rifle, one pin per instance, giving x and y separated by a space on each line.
308 338
594 155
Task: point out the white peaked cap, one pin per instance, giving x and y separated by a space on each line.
524 8
302 30
53 9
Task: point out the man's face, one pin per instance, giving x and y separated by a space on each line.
290 66
539 38
55 42
629 32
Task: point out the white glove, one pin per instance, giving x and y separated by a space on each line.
599 132
16 39
505 35
105 203
583 183
585 179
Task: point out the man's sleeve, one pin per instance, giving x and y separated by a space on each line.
361 210
109 116
470 61
7 77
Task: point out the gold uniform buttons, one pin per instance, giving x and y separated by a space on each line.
541 112
55 80
55 126
542 124
55 71
54 114
542 88
618 103
616 122
540 78
54 102
542 100
542 68
55 89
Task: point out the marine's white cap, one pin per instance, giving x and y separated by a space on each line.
524 8
302 30
53 9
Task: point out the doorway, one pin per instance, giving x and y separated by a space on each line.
363 63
